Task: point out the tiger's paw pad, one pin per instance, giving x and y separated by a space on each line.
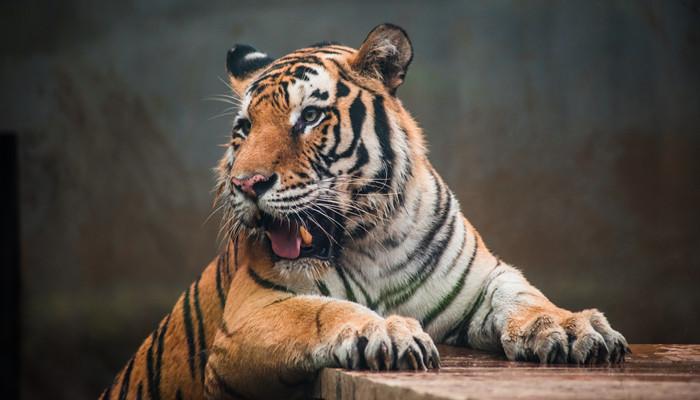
380 345
583 338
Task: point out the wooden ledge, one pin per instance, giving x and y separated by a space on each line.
652 372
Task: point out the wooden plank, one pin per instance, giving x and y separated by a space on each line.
651 372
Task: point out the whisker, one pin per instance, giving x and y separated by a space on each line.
213 212
228 85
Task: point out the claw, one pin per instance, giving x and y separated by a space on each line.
412 359
436 360
384 357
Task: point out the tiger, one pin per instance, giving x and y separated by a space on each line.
344 247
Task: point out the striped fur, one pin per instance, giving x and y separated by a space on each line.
181 341
321 141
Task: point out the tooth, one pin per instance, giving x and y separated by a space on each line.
268 235
257 215
305 236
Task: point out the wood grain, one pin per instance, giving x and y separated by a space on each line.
651 372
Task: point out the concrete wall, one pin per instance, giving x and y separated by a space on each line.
570 131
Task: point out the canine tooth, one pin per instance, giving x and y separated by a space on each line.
257 215
305 235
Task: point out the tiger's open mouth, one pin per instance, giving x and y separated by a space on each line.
293 238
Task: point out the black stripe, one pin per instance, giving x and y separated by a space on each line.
189 332
319 95
259 100
139 391
302 72
267 284
287 62
447 300
371 304
403 293
225 330
285 85
365 251
278 301
357 113
463 336
319 325
385 175
395 241
488 314
159 357
475 234
362 229
330 52
178 395
153 391
320 170
272 72
202 338
349 294
291 199
235 254
219 289
321 144
341 90
439 209
462 328
323 288
227 260
278 98
331 157
362 158
235 146
124 390
402 180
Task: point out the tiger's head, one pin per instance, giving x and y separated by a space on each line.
321 148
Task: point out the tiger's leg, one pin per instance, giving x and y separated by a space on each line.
170 363
530 328
271 342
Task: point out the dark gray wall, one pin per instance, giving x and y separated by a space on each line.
570 131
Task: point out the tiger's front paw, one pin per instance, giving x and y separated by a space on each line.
392 343
577 338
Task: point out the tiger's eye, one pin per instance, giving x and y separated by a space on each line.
310 114
245 126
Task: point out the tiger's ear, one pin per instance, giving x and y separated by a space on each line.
384 55
242 62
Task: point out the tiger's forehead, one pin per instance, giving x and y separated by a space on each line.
301 78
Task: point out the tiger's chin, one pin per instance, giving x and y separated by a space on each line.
300 245
308 268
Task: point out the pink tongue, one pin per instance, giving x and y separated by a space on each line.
286 240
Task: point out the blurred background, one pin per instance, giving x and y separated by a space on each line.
570 131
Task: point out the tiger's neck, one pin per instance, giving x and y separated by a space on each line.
382 248
423 254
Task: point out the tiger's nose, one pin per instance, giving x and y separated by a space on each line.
254 186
